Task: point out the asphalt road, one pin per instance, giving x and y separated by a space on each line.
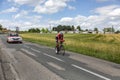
35 62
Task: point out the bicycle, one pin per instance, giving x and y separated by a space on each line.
60 49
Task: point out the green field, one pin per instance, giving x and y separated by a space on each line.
104 46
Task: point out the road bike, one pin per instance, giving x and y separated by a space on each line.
60 49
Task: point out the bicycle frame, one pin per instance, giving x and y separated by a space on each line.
60 49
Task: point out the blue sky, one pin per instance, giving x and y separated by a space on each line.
43 13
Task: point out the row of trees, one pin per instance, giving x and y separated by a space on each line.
65 28
58 28
1 27
37 30
110 29
3 30
71 28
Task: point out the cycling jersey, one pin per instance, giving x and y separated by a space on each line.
59 37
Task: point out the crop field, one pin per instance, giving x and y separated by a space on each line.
103 46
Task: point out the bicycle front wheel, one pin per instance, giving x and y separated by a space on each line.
62 50
56 50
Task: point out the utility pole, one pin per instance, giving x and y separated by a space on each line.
112 29
17 29
50 28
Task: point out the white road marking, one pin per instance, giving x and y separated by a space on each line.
100 76
35 50
56 66
26 51
53 57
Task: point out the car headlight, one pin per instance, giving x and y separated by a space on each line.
10 39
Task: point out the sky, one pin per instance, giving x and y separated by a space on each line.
88 14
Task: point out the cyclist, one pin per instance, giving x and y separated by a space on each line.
59 39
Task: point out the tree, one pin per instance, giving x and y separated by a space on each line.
109 29
1 27
113 30
34 30
104 30
54 29
86 29
46 30
43 30
117 32
79 28
73 28
31 30
96 29
64 28
37 30
59 28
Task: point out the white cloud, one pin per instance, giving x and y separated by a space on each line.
105 10
86 24
115 12
28 23
23 25
10 10
70 20
71 7
45 6
106 17
17 16
79 19
10 24
66 19
51 6
105 0
29 2
21 14
35 18
102 16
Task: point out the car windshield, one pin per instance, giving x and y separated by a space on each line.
13 35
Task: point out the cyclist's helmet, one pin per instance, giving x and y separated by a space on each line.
61 33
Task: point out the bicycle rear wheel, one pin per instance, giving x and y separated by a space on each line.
62 50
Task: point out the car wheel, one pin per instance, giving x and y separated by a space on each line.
21 42
7 41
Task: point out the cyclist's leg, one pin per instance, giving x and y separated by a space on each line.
56 47
57 44
56 41
61 44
